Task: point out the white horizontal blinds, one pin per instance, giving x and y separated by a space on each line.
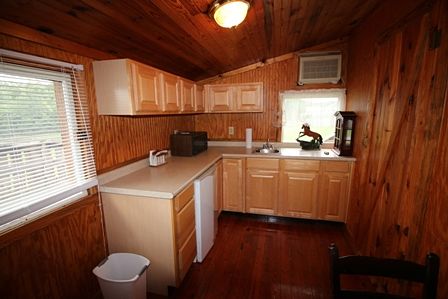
45 139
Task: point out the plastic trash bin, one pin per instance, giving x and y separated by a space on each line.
123 276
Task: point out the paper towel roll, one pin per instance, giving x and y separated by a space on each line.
248 138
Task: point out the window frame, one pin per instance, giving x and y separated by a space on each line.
285 93
67 79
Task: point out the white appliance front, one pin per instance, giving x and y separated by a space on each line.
204 192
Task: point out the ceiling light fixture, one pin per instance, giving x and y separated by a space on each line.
229 13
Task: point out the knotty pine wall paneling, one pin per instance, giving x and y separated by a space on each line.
54 259
117 140
397 85
434 235
276 77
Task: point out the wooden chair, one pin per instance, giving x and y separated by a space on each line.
399 269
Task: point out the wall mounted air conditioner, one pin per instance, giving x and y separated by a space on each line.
319 69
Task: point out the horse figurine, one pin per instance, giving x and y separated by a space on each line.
313 144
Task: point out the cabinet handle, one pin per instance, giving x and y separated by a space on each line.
262 176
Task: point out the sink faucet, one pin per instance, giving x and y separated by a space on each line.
267 145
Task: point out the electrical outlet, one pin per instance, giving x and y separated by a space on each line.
231 130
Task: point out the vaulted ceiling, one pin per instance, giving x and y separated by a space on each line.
178 35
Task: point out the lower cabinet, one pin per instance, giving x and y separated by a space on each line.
312 189
334 190
218 194
218 189
299 187
262 186
233 184
162 230
185 224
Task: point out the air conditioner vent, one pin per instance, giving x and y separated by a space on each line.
320 69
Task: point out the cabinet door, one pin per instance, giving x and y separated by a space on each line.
249 97
298 194
185 223
233 185
170 93
218 190
261 191
199 98
146 82
144 226
186 255
220 98
218 193
184 211
334 194
187 96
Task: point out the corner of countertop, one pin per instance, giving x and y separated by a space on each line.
112 175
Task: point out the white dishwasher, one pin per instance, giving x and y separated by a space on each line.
204 193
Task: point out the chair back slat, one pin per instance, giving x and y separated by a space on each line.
431 276
366 265
391 268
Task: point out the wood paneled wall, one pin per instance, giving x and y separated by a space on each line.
397 85
276 77
53 257
117 140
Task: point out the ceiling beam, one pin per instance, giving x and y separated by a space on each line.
250 67
29 34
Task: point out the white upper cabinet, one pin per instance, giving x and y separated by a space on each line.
249 97
199 98
246 97
187 96
219 97
127 87
146 85
171 93
124 87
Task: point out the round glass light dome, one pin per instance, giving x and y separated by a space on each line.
230 13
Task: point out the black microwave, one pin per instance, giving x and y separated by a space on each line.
188 143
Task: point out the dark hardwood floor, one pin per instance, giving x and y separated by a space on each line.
266 257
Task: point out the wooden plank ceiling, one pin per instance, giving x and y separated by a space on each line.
178 35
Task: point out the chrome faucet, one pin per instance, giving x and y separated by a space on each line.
267 145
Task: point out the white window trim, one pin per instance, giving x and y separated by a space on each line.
304 91
62 199
33 58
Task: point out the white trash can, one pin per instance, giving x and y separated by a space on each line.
122 276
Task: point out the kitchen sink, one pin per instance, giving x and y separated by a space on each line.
267 151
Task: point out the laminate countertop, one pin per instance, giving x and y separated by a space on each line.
167 180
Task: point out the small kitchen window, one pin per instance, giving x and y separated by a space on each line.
46 156
315 107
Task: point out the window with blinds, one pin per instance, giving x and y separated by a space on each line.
46 156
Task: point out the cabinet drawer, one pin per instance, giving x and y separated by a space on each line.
185 223
183 198
260 163
336 166
300 165
187 253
